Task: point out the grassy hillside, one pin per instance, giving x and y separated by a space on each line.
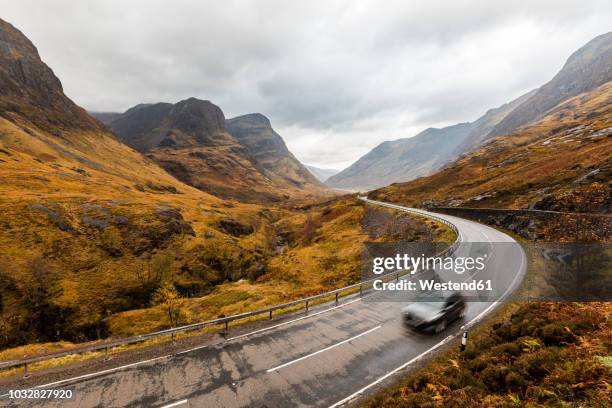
561 162
90 228
96 239
530 354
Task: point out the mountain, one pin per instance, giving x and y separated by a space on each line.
561 162
105 117
585 70
242 158
482 126
406 159
390 162
255 132
82 214
321 174
91 229
30 88
401 159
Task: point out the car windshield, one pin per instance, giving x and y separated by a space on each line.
432 305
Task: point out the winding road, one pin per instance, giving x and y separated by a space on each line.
325 359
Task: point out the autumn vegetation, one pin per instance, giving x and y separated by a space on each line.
560 162
535 355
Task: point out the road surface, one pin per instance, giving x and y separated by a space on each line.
324 359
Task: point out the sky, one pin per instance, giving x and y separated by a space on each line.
336 78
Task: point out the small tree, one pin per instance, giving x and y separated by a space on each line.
161 266
309 229
168 297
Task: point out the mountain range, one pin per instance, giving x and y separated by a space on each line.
242 158
93 221
91 228
407 159
560 162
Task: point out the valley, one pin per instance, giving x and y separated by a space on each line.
93 231
120 224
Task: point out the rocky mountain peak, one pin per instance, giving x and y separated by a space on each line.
255 131
22 72
254 119
30 89
203 119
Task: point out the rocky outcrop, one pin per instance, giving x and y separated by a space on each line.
235 227
255 132
29 88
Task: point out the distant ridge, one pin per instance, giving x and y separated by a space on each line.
586 69
242 158
322 174
406 159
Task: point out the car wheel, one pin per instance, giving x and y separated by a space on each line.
440 326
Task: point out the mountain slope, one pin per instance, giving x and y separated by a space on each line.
586 69
561 162
482 126
93 233
406 159
255 132
88 226
105 117
30 88
321 174
192 141
401 159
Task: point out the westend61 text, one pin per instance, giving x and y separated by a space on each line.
432 285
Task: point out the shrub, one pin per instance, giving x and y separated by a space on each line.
515 381
557 334
494 377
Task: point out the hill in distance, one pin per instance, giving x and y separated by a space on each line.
321 174
561 162
242 158
586 69
407 159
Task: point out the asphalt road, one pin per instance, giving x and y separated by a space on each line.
321 360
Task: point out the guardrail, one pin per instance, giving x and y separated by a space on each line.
106 346
519 211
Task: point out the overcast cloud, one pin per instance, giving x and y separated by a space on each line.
335 77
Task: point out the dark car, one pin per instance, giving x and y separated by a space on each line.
434 315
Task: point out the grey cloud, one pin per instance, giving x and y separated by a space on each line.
336 77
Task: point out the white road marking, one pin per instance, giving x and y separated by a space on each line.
175 404
444 341
110 370
390 373
323 350
298 319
